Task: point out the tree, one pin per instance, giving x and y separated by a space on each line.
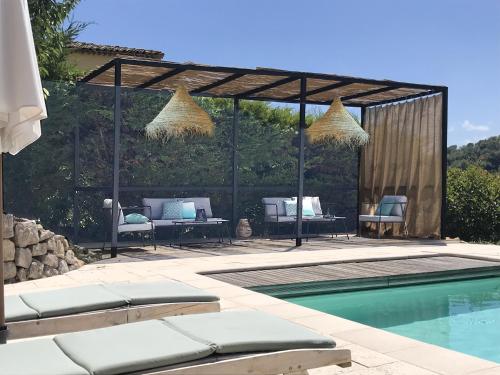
53 30
473 212
43 173
485 153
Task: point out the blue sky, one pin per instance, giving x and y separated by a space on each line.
450 42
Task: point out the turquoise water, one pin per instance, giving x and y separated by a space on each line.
459 315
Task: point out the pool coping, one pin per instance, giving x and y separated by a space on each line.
378 282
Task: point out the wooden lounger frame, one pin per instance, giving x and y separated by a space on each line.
289 362
105 318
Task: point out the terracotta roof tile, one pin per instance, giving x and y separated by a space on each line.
103 49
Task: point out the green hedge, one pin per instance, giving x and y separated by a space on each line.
473 212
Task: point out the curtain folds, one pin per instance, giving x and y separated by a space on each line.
404 158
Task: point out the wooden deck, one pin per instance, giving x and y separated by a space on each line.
349 270
130 251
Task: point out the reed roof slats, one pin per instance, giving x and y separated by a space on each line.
257 84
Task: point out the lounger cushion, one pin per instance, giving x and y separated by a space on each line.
16 310
160 292
72 300
248 331
130 347
40 357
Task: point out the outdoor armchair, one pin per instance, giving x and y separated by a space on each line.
123 226
226 343
391 209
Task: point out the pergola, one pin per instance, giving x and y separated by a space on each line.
262 84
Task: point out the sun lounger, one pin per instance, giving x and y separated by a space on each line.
101 305
225 343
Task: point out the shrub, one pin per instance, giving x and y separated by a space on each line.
473 212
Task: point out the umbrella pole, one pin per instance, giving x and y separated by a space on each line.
3 327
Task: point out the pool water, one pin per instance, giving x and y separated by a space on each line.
459 315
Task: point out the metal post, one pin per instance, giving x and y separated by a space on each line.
236 113
444 159
302 127
76 183
358 205
116 159
3 327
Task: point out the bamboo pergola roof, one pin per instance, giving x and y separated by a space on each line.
255 84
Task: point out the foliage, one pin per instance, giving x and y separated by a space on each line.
38 181
191 166
473 204
485 153
53 30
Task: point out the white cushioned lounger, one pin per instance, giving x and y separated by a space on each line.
101 305
236 342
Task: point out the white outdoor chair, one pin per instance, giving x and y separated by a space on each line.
391 209
123 226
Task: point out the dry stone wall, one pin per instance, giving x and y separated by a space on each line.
32 252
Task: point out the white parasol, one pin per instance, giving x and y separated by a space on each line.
21 98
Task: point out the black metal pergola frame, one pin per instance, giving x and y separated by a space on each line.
232 74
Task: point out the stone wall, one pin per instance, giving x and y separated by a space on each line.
32 252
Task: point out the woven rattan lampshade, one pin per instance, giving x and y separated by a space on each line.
337 126
181 116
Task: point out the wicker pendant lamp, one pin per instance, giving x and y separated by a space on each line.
181 116
337 126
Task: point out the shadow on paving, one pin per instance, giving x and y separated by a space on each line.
136 252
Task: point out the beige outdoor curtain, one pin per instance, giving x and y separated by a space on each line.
404 158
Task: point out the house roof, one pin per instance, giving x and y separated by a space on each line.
102 49
256 84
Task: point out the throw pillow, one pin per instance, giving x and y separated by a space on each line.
307 207
136 219
188 210
172 210
291 207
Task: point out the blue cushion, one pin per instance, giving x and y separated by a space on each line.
136 219
188 210
384 209
172 210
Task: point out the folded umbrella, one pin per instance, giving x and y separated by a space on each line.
22 104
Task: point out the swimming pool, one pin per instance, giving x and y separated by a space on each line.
459 315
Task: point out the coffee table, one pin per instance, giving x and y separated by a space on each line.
222 224
326 219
